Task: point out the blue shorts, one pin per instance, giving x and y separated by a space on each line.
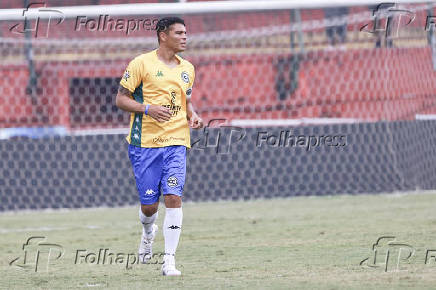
158 169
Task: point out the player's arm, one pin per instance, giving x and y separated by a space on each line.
195 121
125 102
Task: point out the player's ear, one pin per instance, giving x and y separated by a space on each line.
163 35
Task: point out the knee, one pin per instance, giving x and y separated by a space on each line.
173 201
149 209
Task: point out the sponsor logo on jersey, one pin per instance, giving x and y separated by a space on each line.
175 109
160 140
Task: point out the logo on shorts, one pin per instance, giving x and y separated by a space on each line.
172 181
185 77
149 192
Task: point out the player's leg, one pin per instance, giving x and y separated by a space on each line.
147 215
172 229
147 168
173 181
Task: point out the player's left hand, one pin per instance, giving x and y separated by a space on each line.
195 122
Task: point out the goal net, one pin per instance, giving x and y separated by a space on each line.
366 73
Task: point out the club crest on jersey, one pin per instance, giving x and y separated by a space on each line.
185 77
126 75
172 181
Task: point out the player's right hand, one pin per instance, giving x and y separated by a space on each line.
159 113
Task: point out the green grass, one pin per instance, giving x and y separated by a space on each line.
304 243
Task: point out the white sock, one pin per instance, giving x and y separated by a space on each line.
172 228
147 221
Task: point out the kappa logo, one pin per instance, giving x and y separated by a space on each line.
159 73
185 77
172 181
149 192
173 227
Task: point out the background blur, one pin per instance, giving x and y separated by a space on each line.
342 71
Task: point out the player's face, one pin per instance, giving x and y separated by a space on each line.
177 37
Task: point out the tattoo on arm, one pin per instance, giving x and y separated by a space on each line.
123 91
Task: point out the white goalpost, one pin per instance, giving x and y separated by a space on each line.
188 8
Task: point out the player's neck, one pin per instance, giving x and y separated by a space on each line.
167 56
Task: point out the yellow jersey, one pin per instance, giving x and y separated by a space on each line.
153 82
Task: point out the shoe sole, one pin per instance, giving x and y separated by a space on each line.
163 273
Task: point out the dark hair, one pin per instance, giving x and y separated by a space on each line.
164 23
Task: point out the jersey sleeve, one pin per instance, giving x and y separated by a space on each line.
132 75
191 84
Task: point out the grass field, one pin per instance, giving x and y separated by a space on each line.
303 242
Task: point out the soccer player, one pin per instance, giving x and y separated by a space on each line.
156 88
